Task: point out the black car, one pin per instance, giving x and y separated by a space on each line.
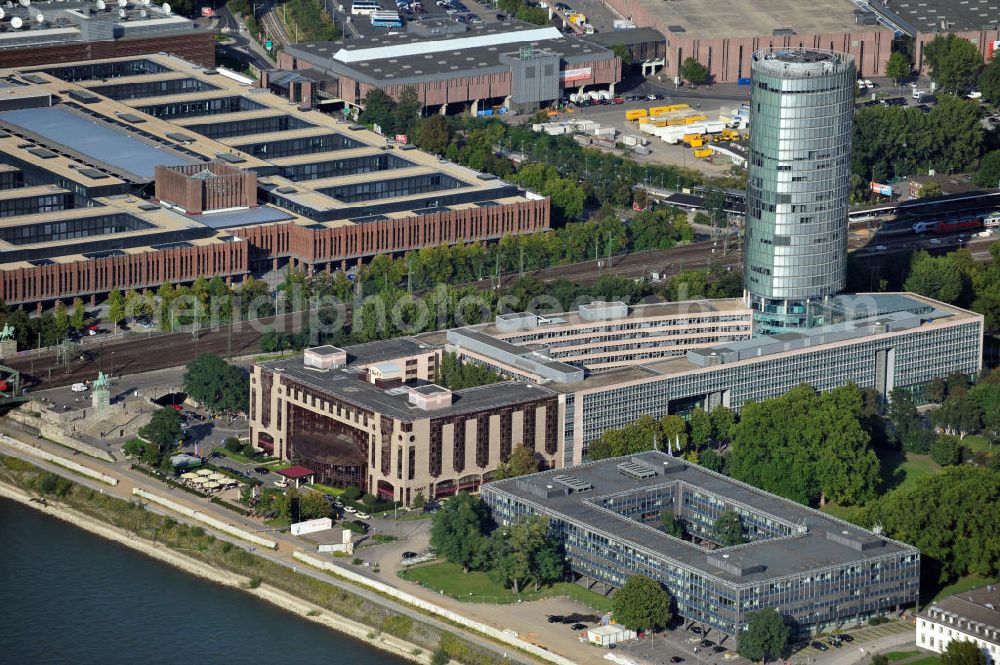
696 630
845 637
925 108
718 649
894 101
409 555
578 626
432 507
554 618
364 526
707 643
260 470
816 644
676 659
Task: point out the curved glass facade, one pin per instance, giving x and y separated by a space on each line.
802 108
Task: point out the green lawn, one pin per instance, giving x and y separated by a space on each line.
977 443
962 584
900 655
238 457
326 489
902 469
476 586
929 660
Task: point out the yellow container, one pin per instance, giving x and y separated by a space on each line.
677 107
657 111
644 121
636 114
658 122
693 140
701 153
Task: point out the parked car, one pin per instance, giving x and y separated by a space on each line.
364 526
718 649
363 516
260 470
816 644
845 637
280 483
350 510
578 626
554 618
696 630
79 387
410 555
676 659
707 643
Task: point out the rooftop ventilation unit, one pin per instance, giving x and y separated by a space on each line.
636 469
572 483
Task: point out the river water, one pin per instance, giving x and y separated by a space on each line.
67 596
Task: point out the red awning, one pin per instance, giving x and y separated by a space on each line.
296 472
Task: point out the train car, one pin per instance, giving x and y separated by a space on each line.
956 225
992 220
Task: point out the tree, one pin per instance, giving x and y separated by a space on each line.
700 425
116 307
642 604
673 432
671 524
946 450
897 67
937 277
164 428
989 81
988 174
902 411
522 461
440 657
457 531
693 71
807 447
433 134
79 314
378 110
937 390
145 451
712 460
61 318
728 529
723 422
312 505
523 552
963 652
766 636
406 115
955 62
950 516
216 384
233 444
621 50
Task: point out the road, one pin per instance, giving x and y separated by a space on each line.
244 43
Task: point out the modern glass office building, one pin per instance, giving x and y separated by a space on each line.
816 570
799 175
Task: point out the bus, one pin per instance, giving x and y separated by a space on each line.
992 220
386 20
365 7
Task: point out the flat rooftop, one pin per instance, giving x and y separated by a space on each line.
414 57
344 384
701 19
958 15
808 548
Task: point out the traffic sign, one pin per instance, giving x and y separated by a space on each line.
268 44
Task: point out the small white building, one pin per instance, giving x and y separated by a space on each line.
605 636
973 616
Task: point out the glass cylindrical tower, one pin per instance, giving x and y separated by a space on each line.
799 177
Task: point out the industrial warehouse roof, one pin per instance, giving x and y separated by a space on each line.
60 125
414 47
817 540
407 57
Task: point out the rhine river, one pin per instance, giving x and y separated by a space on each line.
67 596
